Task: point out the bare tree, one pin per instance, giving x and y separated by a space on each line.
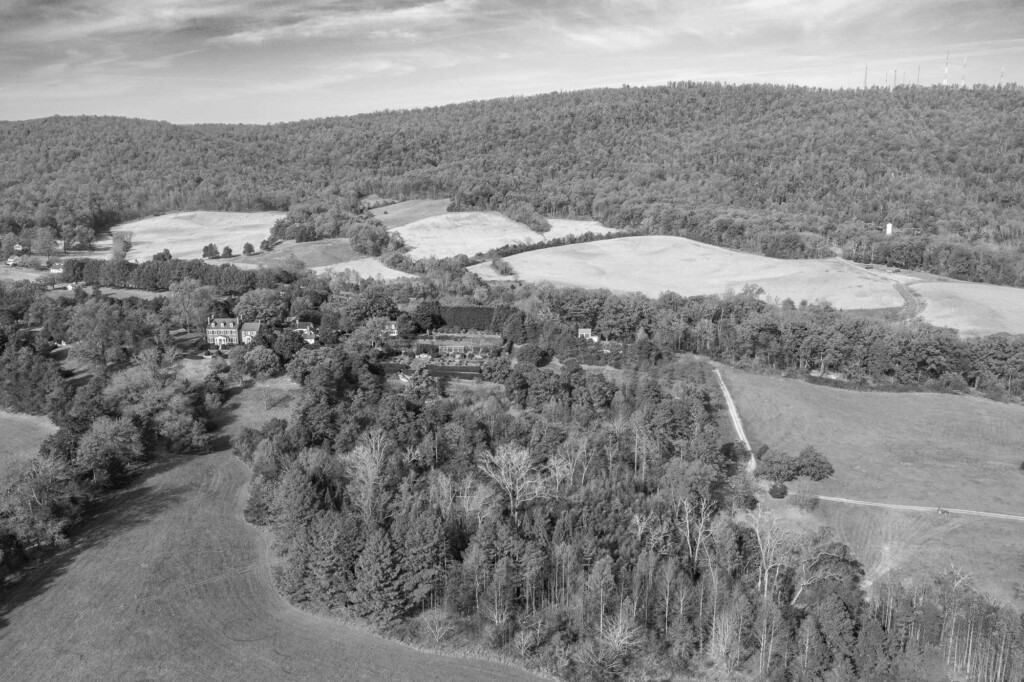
817 558
363 466
512 470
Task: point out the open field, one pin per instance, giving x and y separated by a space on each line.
21 435
654 264
169 582
364 267
918 544
312 254
474 232
405 212
13 274
923 449
185 234
974 309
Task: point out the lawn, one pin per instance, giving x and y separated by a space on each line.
21 435
169 582
654 264
923 449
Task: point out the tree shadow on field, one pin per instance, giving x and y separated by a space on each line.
118 512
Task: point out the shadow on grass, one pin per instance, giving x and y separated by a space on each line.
113 514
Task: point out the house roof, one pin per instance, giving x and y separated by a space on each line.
250 327
223 322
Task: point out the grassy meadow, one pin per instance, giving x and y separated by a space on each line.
654 264
167 581
21 435
925 449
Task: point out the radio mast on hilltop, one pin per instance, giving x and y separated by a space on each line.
963 79
945 76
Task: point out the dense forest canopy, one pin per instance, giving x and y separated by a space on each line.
784 171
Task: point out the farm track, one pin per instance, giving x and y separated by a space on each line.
908 507
913 302
738 428
737 423
167 581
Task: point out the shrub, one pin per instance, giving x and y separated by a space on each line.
778 490
804 500
813 465
502 267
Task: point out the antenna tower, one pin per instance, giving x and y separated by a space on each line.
945 75
865 76
963 78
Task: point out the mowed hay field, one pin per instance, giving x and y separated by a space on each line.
405 212
476 232
185 234
927 449
974 309
364 267
21 435
919 449
894 543
312 254
654 264
169 582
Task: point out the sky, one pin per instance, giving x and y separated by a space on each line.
263 61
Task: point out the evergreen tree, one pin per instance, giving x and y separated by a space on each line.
378 593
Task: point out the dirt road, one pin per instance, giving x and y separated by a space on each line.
907 507
737 423
170 583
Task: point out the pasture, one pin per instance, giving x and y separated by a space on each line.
312 254
167 581
13 274
655 264
473 232
924 449
365 267
21 435
405 212
974 309
185 234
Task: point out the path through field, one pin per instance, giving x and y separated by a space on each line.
737 423
908 507
169 582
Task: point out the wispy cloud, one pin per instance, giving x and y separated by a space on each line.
268 59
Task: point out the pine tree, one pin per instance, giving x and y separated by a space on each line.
378 595
334 545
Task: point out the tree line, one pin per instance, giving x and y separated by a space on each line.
784 171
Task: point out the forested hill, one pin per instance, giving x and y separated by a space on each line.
780 170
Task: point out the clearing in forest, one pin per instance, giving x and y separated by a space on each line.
654 264
311 254
168 581
185 234
21 435
927 449
974 309
405 212
365 268
476 232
